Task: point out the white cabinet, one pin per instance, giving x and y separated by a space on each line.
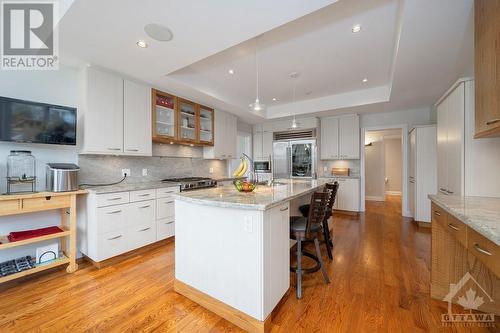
136 119
423 171
329 138
226 137
262 145
115 223
340 137
466 166
103 114
348 194
115 116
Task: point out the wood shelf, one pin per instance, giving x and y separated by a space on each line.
7 245
42 267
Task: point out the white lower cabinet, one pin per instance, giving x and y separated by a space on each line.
348 194
116 223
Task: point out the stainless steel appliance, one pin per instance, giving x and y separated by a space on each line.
262 166
295 159
62 177
192 183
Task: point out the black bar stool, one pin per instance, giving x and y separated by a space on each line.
308 229
331 189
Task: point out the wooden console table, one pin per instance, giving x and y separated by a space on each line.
38 202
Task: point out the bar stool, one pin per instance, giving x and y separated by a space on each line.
308 229
331 189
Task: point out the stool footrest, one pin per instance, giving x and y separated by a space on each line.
313 269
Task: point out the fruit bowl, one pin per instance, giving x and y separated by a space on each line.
244 185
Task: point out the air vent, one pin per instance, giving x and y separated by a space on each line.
293 135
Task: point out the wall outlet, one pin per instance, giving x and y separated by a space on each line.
126 171
144 172
211 170
248 225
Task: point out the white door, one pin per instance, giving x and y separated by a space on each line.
329 138
412 198
136 119
349 137
455 126
413 153
267 144
103 125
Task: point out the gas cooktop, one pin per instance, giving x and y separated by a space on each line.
193 183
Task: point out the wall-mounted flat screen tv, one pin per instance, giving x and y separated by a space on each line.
25 121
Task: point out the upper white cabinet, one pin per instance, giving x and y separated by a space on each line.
466 166
226 137
103 113
136 119
115 115
262 144
340 137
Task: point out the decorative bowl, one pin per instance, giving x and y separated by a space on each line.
244 185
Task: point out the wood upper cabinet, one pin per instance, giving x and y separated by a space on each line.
178 120
487 67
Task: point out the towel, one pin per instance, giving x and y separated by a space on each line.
27 234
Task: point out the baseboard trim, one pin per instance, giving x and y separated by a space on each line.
225 311
393 193
374 198
345 212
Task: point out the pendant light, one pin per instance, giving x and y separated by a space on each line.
257 105
294 76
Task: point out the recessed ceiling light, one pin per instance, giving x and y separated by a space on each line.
275 99
365 80
356 28
142 44
231 71
158 32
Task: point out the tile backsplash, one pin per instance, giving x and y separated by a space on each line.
96 169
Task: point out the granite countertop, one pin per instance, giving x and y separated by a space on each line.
480 213
264 197
124 187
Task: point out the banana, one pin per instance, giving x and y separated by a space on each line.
238 169
245 168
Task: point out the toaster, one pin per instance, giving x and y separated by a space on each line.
62 177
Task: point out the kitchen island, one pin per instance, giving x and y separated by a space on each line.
232 250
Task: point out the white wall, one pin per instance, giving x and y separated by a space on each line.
411 117
53 87
393 165
374 171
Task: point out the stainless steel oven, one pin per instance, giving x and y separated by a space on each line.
262 166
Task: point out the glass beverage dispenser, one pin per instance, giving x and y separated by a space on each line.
21 171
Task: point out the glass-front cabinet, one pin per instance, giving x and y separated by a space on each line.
206 125
177 120
164 116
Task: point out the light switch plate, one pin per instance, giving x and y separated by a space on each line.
211 170
248 225
144 172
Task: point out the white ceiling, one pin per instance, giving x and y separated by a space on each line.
410 50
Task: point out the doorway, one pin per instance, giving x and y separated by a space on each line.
384 167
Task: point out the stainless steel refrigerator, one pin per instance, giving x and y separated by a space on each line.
294 159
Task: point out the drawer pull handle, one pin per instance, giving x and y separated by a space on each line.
132 149
453 227
442 190
145 229
492 121
114 149
116 237
115 211
437 213
114 199
483 251
449 192
145 206
145 195
283 209
167 202
169 222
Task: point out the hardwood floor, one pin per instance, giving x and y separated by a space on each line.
379 283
